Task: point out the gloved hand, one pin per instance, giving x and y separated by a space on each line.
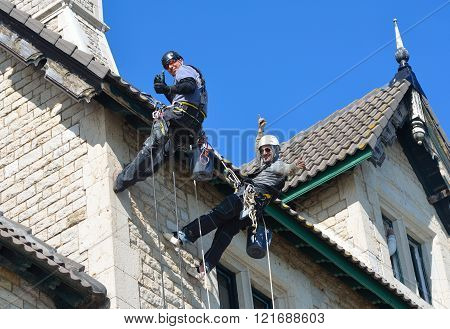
161 88
160 85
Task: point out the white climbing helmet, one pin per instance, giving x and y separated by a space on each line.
268 140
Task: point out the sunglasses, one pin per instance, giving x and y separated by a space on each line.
170 62
265 150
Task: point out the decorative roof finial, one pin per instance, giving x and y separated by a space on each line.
401 55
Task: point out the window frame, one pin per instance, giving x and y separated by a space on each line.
406 224
420 271
255 274
230 276
262 298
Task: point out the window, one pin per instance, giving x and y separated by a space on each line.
260 301
226 281
419 269
395 261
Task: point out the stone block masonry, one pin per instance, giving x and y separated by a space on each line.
17 293
41 156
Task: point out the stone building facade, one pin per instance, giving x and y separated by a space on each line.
350 209
63 135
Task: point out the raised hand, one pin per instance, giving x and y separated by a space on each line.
261 123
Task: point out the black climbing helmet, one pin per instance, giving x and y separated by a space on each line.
168 56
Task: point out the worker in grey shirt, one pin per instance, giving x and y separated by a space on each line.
267 180
179 124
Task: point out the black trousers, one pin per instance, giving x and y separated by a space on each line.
178 128
224 218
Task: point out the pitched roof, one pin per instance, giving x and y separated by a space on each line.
17 243
352 128
346 131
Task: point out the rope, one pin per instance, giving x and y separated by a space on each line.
178 229
268 262
201 246
158 227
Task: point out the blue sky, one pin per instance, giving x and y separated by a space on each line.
270 57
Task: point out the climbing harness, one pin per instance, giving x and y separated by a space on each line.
201 246
190 109
178 229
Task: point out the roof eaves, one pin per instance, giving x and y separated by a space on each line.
19 238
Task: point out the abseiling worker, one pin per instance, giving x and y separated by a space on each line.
267 181
183 119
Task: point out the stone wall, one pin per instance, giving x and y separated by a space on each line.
327 206
314 287
18 293
31 6
41 156
394 191
95 41
88 5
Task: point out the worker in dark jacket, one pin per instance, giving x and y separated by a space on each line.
267 181
175 125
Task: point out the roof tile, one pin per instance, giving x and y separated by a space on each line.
34 25
98 69
6 6
65 46
19 15
83 57
49 35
